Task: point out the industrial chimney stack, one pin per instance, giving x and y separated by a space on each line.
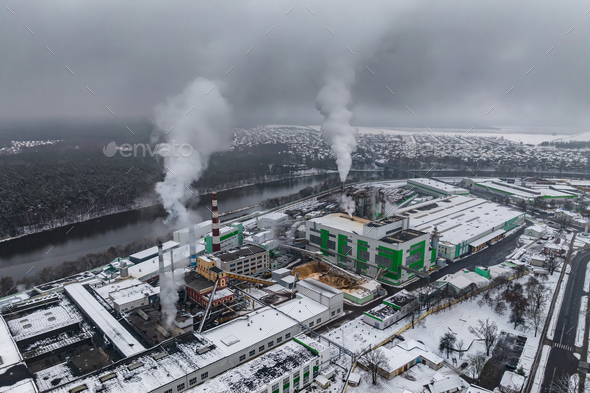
172 263
215 223
160 261
342 187
193 248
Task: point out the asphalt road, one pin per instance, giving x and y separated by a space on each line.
561 358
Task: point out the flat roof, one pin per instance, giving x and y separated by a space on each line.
342 222
521 191
104 290
8 349
148 252
261 324
438 185
382 311
259 372
105 322
239 252
134 293
458 218
324 289
148 372
41 321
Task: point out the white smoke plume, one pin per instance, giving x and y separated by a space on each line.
347 204
168 300
333 101
200 118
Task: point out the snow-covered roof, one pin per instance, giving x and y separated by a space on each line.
453 382
104 290
458 218
511 380
8 349
438 186
41 321
260 372
342 222
462 279
258 325
149 252
132 294
104 321
405 352
147 374
221 293
317 286
23 386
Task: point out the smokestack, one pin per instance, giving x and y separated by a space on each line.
172 264
342 187
193 248
124 270
160 261
215 223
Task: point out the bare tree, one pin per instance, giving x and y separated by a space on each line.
476 364
500 306
373 361
459 346
537 294
487 332
552 263
447 343
7 286
568 383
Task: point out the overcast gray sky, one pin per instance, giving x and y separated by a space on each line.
448 61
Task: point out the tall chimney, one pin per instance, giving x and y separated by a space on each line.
215 223
193 248
342 187
160 261
172 264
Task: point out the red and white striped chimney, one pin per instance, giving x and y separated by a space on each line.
215 223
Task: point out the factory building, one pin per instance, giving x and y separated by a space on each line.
391 310
324 294
368 247
193 359
152 252
182 236
271 220
122 340
464 224
286 369
435 187
248 259
517 192
229 236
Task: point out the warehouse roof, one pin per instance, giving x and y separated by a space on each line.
41 321
239 252
437 185
342 222
260 372
487 238
105 322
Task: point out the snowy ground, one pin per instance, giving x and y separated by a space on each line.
421 374
541 369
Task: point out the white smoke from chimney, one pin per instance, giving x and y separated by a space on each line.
199 118
333 101
347 205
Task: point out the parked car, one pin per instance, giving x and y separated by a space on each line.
510 366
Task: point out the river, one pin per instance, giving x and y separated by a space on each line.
50 248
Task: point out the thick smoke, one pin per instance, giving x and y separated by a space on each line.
196 123
168 300
333 101
347 204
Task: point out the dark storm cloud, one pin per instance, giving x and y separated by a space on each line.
449 62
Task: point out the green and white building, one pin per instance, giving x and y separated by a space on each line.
465 224
366 247
518 192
